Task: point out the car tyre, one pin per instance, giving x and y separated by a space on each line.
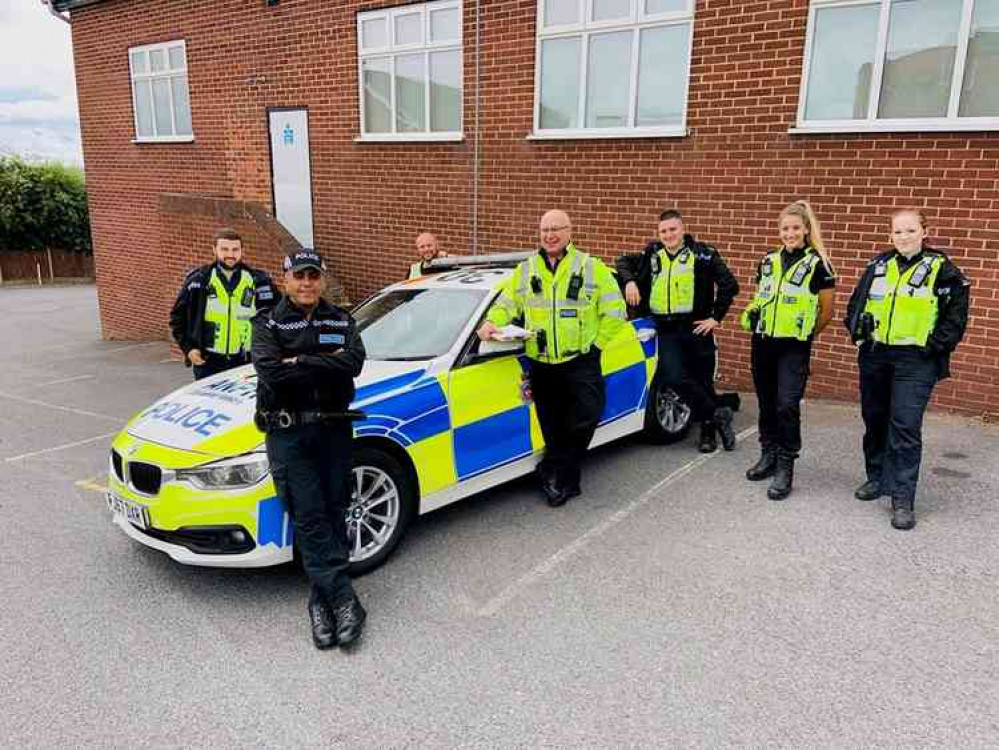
668 417
382 506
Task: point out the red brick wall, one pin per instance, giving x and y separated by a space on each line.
730 176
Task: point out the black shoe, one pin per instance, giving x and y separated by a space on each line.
321 619
765 467
707 443
350 617
781 484
869 490
723 422
903 514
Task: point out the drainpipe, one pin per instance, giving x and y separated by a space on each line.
476 155
54 12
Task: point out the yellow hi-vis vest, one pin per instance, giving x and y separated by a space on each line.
230 314
904 304
416 270
570 311
788 309
672 283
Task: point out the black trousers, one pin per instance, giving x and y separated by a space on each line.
569 398
216 363
895 386
687 363
780 374
311 466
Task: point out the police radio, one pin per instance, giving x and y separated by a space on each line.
575 285
536 285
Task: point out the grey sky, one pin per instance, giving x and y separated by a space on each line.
38 112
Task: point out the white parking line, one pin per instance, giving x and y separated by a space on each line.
495 604
64 380
70 409
64 446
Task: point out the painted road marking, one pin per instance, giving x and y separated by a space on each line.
64 380
495 604
92 484
70 409
64 446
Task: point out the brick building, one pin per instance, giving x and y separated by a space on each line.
470 118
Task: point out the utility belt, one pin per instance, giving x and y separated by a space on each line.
674 322
272 421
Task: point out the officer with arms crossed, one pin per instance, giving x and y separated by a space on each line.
210 320
676 275
571 303
426 246
307 353
907 314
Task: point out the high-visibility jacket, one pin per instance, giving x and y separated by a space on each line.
416 270
229 314
672 283
787 307
570 310
904 304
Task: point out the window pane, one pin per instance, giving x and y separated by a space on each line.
410 114
560 83
177 58
445 25
181 105
409 29
445 91
664 6
980 94
374 33
839 78
158 60
607 80
919 64
143 109
139 62
161 106
561 12
377 96
662 75
607 10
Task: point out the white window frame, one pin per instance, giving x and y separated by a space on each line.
872 123
392 50
150 76
637 21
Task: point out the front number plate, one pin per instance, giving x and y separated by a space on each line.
135 514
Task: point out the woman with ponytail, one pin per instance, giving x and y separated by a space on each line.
792 305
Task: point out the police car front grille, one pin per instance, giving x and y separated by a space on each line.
116 464
145 478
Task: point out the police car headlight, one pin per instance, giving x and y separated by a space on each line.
229 474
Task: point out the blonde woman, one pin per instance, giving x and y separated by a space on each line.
792 305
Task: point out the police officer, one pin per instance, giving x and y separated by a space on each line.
210 319
307 353
907 314
675 276
427 248
792 305
571 303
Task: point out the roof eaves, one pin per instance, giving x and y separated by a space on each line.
63 5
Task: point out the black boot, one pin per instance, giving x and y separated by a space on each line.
766 466
321 620
903 514
780 485
869 490
723 421
707 443
554 495
350 617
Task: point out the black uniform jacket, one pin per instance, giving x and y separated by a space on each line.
952 290
330 355
709 271
187 318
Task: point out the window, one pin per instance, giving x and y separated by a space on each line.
409 72
160 99
883 65
612 68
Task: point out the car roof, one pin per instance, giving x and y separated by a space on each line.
466 272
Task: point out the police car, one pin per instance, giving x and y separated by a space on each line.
445 416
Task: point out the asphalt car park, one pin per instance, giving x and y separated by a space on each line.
670 606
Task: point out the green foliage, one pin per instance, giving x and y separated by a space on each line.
43 205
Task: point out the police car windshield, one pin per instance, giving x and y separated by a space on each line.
414 324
